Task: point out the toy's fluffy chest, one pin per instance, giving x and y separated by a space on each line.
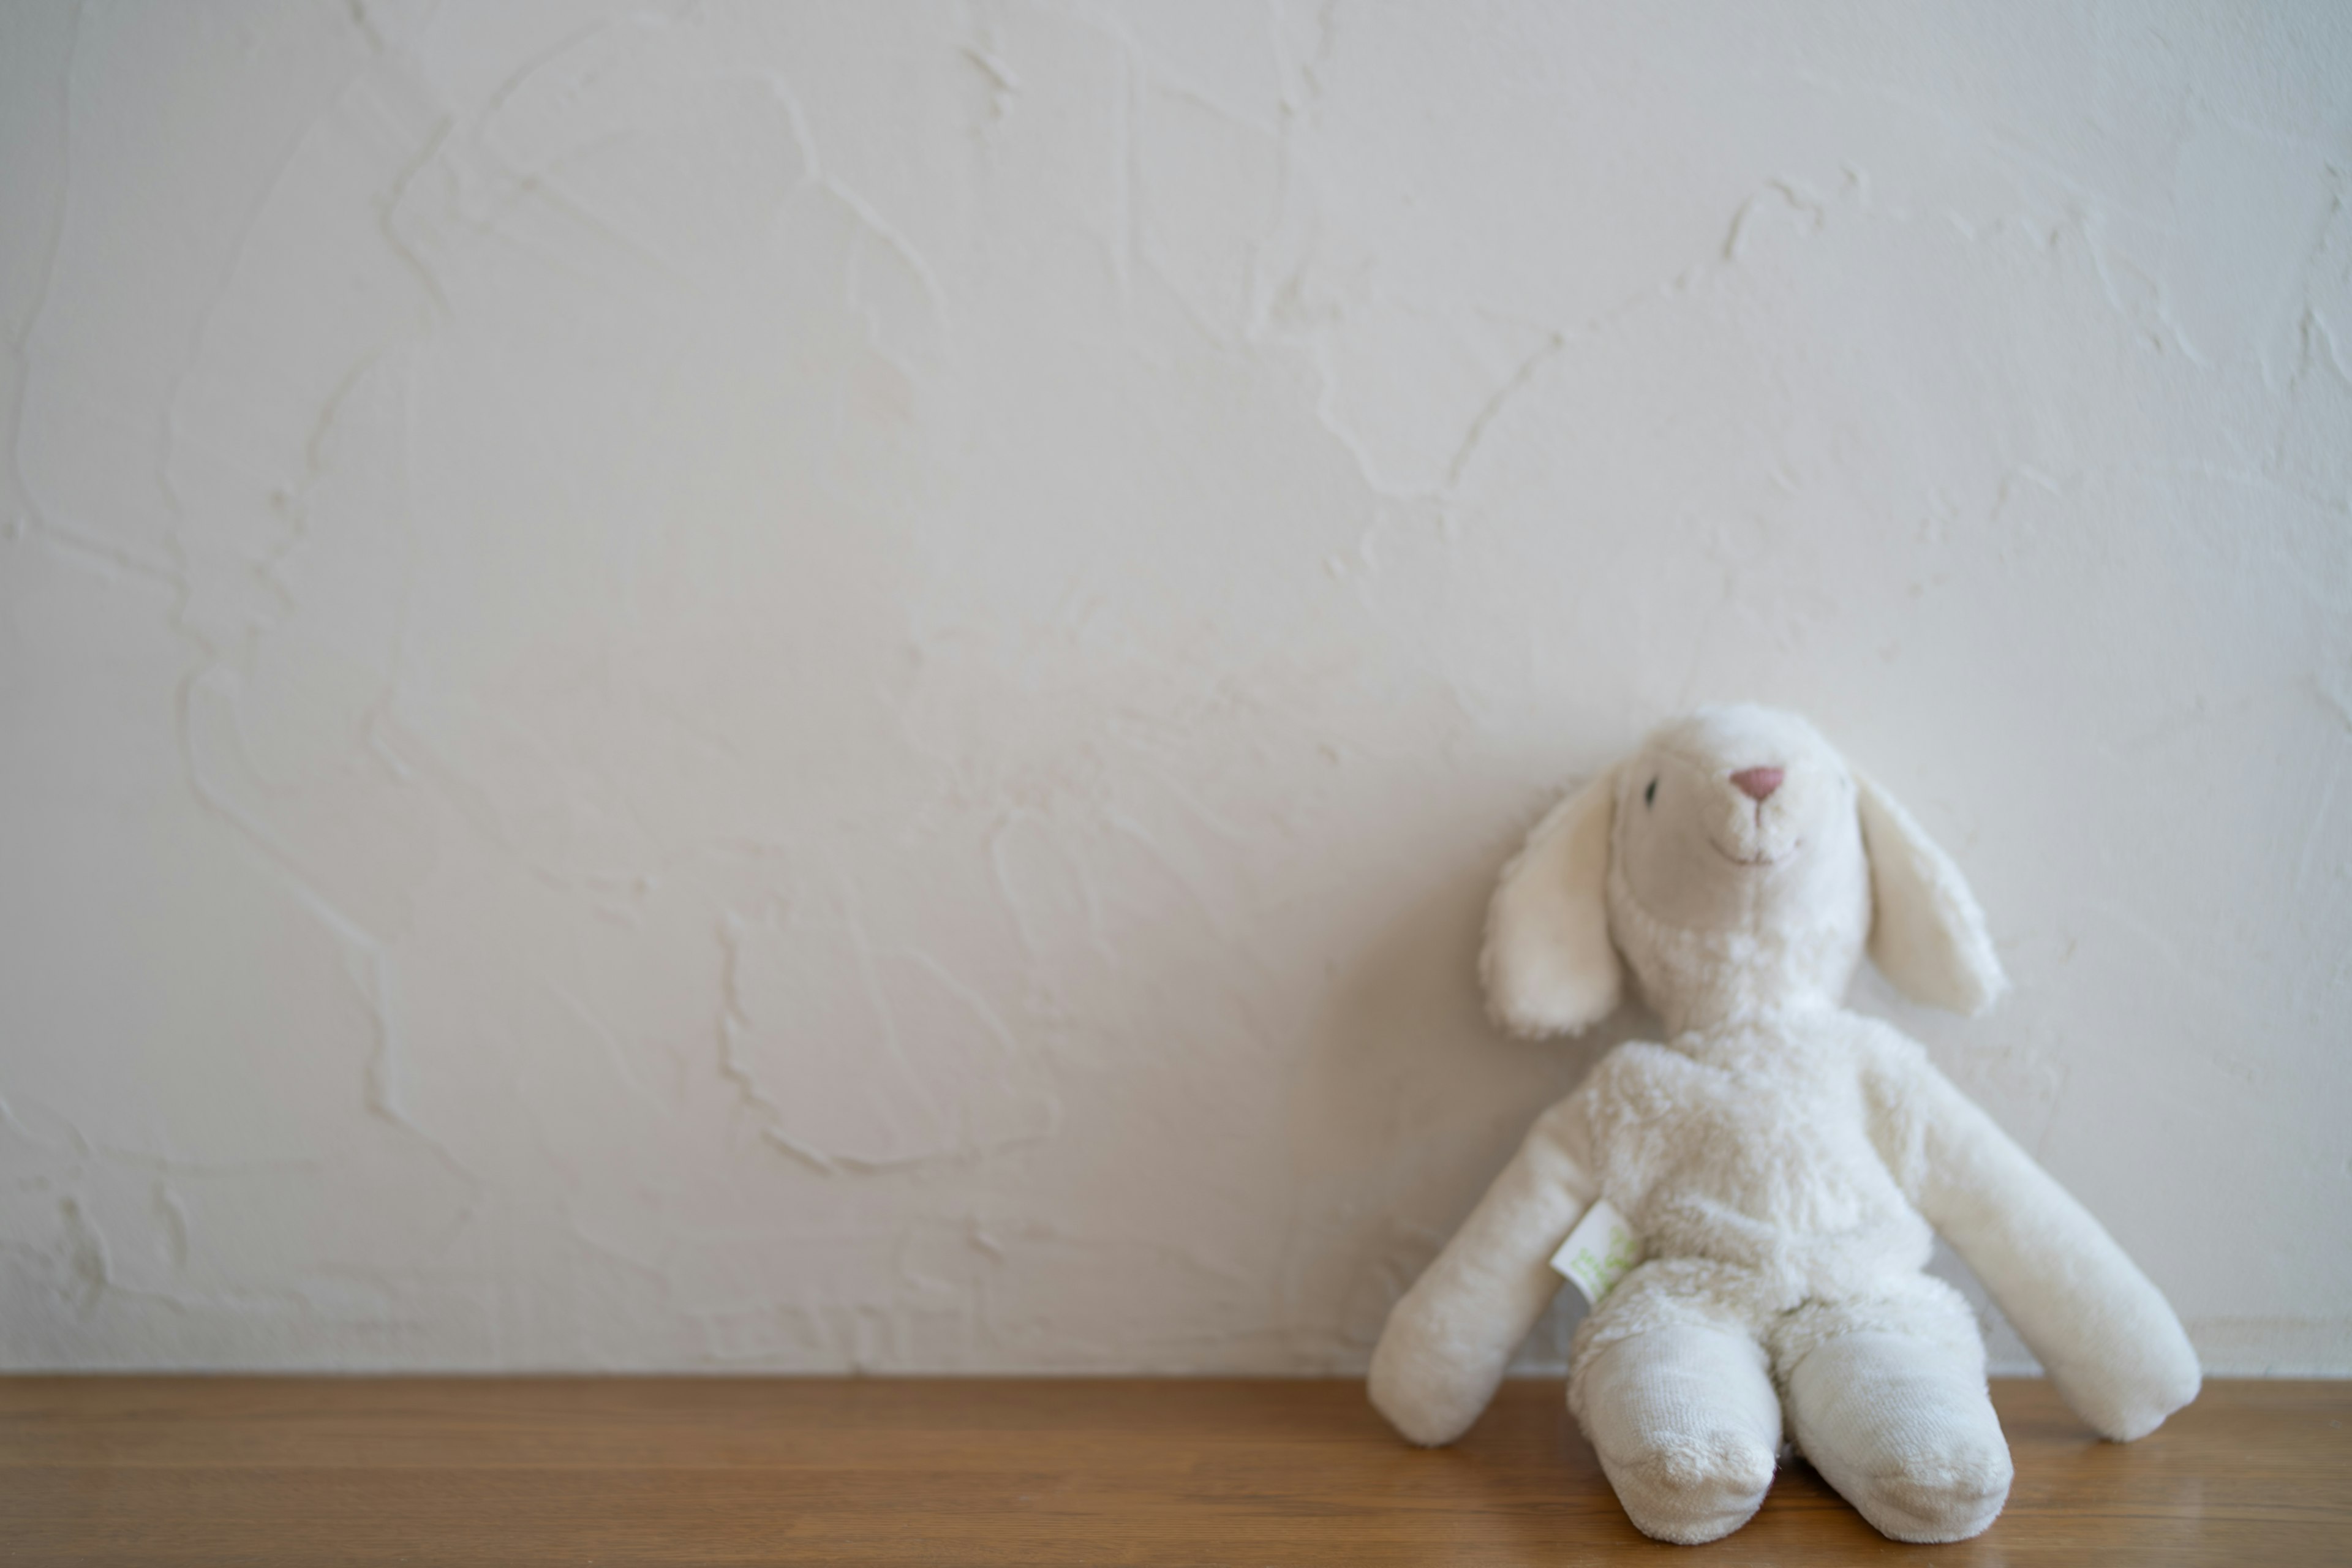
1755 1149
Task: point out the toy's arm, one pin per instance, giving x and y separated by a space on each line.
1450 1337
2103 1331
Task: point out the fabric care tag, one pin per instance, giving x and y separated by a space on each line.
1598 1252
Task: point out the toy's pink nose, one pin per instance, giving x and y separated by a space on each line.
1756 784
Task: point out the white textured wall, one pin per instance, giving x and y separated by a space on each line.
837 684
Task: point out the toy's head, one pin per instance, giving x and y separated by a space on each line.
1736 865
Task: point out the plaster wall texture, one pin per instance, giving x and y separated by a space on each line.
837 685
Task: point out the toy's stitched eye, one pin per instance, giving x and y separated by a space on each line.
1650 795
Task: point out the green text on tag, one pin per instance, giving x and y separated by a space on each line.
1598 1252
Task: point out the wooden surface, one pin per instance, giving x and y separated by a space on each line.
259 1470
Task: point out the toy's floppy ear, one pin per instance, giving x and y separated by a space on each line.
1548 963
1927 933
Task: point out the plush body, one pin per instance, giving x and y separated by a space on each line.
1787 1162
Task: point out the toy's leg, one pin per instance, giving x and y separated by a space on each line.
1687 1427
1900 1424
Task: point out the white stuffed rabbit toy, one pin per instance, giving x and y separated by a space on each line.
1782 1161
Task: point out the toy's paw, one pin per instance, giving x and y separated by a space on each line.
2121 1407
1691 1488
1421 1393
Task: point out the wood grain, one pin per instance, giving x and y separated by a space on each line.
311 1470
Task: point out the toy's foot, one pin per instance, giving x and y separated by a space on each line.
1903 1434
1687 1426
1692 1491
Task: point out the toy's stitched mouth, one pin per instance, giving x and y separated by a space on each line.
1757 862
